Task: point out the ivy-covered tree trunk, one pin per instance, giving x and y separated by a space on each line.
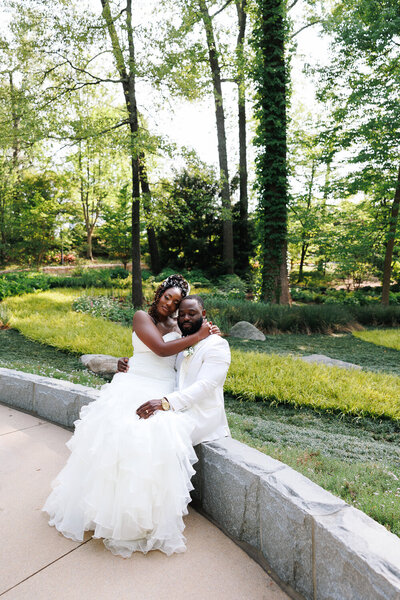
127 75
270 107
221 135
387 268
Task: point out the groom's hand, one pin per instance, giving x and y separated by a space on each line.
149 408
122 365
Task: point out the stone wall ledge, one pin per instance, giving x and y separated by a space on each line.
315 543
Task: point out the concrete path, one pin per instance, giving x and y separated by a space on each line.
37 562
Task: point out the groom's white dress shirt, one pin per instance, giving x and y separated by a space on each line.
200 380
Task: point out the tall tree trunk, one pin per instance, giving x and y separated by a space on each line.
305 244
3 238
15 121
270 79
387 267
128 80
221 136
151 234
89 244
304 248
242 258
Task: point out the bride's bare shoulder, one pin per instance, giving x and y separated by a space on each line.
141 317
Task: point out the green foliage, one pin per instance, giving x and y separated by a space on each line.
225 310
340 346
4 316
116 230
15 284
255 377
108 308
48 317
17 352
269 74
190 225
231 286
298 319
382 337
355 459
361 86
360 297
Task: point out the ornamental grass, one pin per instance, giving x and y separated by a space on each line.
47 317
285 380
390 338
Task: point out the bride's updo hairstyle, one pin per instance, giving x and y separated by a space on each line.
173 281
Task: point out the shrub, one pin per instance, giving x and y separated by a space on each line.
120 311
323 318
5 315
15 284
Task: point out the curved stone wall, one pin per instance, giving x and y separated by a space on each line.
319 546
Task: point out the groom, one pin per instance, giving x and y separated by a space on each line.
202 371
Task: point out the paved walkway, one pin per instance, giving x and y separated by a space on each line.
37 562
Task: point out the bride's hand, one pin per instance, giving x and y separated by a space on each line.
204 330
148 409
214 329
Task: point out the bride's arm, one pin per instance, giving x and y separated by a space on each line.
148 333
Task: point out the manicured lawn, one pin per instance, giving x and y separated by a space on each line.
343 346
47 317
17 352
390 338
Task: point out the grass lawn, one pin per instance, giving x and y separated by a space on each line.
17 352
356 458
354 348
390 338
47 317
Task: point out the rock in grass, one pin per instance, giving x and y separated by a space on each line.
101 364
330 362
247 331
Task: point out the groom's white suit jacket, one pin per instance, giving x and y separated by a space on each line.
200 381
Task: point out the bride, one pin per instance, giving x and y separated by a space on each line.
128 479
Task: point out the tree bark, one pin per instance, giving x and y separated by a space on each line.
128 80
151 234
387 267
15 121
221 137
269 76
305 245
304 249
242 258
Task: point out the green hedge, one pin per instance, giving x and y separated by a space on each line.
15 284
324 318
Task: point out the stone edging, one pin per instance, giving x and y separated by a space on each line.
316 543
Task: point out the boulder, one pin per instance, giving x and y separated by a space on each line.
330 362
101 364
246 331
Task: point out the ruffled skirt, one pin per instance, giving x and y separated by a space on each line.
127 479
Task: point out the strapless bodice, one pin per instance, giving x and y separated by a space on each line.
145 362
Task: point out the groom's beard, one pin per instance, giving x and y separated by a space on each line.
187 328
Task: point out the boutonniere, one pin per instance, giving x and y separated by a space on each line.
188 352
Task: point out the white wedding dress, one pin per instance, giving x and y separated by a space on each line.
128 479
